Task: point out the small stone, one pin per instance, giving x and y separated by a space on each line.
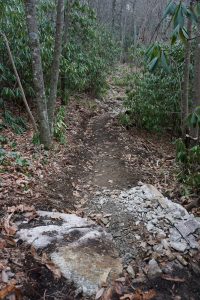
179 246
161 235
143 245
138 238
158 248
116 234
174 235
150 226
170 255
154 270
128 257
182 260
148 204
165 244
155 221
105 221
98 193
124 195
131 271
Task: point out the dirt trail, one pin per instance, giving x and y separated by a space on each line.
95 176
109 159
108 156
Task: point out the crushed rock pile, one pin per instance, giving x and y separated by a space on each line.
143 222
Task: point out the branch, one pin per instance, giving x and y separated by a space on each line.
18 80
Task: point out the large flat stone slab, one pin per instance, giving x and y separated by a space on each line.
84 252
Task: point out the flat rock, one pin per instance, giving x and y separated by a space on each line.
84 252
179 246
154 270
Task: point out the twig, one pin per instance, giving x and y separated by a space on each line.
44 296
18 80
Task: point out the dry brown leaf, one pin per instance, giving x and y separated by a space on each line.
174 279
139 295
1 266
51 266
119 288
47 262
99 293
107 295
21 208
10 229
10 289
2 243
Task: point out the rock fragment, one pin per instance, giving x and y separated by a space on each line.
179 246
154 270
130 271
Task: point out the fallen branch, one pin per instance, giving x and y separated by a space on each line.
18 80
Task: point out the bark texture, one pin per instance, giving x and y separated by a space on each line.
196 132
186 79
56 62
45 137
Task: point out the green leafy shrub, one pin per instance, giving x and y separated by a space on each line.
154 98
189 161
8 158
87 55
60 125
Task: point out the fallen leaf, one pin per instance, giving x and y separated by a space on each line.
99 293
51 266
8 290
107 295
44 260
139 295
174 279
119 289
21 208
10 229
2 243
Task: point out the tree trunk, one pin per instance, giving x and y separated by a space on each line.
45 136
56 62
113 14
195 132
66 29
186 80
19 81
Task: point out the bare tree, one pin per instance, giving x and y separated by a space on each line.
196 102
45 108
186 80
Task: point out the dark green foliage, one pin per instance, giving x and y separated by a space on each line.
8 158
189 161
60 125
86 58
87 55
154 98
17 124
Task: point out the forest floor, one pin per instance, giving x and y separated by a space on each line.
101 158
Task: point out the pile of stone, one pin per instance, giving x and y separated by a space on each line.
152 221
